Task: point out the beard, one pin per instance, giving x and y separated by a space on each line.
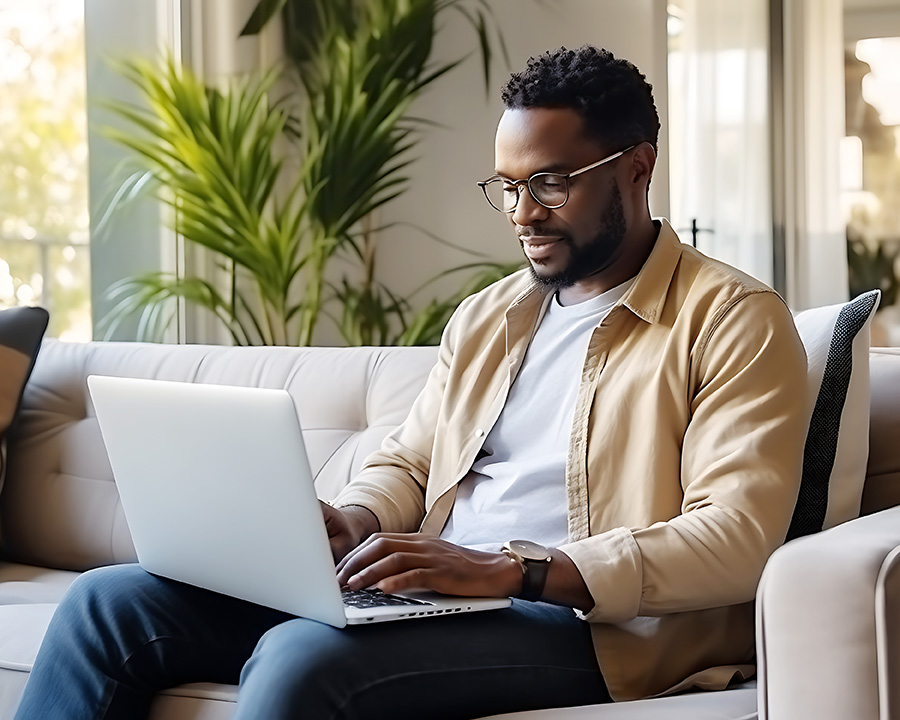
593 257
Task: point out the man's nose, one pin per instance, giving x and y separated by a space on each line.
528 209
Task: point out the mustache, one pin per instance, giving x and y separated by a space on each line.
529 231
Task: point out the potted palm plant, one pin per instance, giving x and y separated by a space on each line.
211 156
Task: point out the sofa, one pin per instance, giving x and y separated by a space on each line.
828 605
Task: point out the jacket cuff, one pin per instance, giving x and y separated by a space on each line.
610 564
393 515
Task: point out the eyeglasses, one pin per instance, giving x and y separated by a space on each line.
547 188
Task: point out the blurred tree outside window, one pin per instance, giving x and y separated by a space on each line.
44 254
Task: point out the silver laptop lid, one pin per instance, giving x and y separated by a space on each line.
217 491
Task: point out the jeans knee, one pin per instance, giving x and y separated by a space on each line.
300 663
102 591
304 646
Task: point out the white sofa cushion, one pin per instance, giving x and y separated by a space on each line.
20 584
836 339
736 704
19 648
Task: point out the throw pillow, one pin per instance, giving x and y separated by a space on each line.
21 331
836 339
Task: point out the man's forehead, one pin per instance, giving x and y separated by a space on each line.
536 139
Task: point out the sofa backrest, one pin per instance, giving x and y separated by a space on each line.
882 488
59 507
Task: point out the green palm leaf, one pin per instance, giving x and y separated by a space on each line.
151 297
212 156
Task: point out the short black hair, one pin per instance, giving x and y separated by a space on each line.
611 94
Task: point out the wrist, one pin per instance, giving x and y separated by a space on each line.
361 521
534 561
512 575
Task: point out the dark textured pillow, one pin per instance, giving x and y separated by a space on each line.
836 339
21 331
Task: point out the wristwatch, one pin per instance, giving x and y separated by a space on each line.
534 560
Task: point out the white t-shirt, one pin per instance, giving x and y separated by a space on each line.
516 488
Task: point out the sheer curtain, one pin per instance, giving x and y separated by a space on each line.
719 130
813 127
756 93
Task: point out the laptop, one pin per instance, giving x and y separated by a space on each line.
218 492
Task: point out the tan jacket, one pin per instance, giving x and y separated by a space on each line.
684 460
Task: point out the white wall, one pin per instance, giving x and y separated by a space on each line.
444 198
871 18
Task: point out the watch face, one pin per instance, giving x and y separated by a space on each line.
528 550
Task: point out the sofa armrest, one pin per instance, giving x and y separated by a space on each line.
828 624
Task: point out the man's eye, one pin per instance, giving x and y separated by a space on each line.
510 189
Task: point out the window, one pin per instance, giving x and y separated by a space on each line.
44 254
870 168
719 129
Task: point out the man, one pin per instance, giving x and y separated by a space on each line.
628 408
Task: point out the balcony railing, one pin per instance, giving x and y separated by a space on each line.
51 272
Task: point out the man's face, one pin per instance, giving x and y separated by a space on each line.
585 236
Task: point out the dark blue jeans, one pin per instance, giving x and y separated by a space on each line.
121 634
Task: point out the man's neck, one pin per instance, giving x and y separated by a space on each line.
638 246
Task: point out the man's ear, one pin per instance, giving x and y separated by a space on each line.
643 160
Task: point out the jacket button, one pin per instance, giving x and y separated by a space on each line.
479 432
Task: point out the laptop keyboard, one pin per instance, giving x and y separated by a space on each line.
375 598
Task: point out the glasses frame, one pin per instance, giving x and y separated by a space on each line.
519 184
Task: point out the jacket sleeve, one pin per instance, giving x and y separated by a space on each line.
393 479
740 472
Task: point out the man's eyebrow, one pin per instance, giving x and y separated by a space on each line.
559 168
556 168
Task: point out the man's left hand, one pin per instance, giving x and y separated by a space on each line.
395 562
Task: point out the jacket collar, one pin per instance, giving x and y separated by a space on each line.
651 286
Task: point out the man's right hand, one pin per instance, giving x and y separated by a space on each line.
347 527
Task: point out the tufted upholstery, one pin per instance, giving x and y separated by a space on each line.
60 507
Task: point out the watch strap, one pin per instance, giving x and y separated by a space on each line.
534 568
534 578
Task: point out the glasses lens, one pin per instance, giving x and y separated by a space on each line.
501 195
549 189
